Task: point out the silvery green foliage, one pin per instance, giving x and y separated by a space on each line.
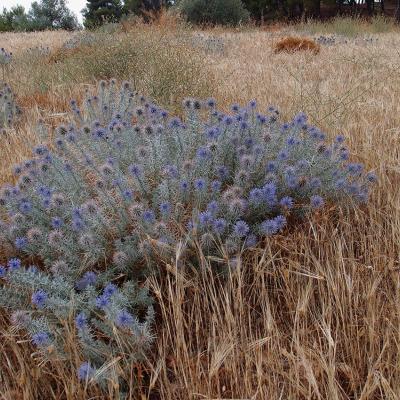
9 111
208 43
124 185
329 40
80 39
5 57
108 319
38 51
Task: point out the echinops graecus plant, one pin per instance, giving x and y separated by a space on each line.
9 110
124 185
5 56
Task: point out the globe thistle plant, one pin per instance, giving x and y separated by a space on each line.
122 184
9 111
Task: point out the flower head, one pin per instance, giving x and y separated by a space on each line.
14 264
39 298
20 243
124 319
241 229
81 321
316 201
219 225
85 371
41 339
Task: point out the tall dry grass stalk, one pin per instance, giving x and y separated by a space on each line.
313 314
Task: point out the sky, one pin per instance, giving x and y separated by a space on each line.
74 5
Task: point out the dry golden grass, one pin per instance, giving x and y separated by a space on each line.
314 314
21 41
293 44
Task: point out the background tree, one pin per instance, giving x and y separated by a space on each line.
98 12
215 12
14 19
51 14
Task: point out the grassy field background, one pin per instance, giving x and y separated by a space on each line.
314 314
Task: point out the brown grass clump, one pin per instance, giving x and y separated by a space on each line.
292 44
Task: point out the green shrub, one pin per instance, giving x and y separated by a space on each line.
215 12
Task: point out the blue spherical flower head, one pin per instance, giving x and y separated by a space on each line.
213 207
184 186
14 264
241 229
316 201
300 119
253 104
269 190
2 271
127 194
283 155
340 183
44 191
81 321
244 125
57 222
135 170
76 212
175 123
205 218
228 120
355 168
165 208
213 133
39 298
280 221
216 186
250 241
102 301
20 243
109 290
200 184
269 227
203 153
90 277
291 181
286 202
211 103
339 139
271 166
85 371
41 150
222 171
171 171
344 155
148 217
371 177
256 196
78 224
41 339
219 226
235 107
315 183
124 319
25 207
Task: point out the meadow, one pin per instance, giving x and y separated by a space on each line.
312 313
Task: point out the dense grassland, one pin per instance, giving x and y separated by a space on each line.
312 314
